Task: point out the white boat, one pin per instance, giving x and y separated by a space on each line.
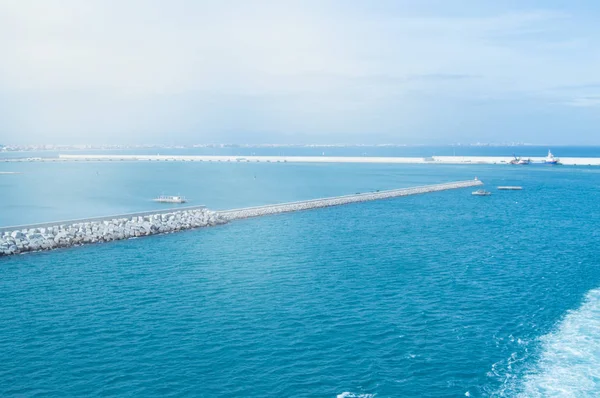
550 159
170 199
481 192
519 160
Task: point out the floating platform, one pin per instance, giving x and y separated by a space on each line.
510 188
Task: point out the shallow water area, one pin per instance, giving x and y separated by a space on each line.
434 295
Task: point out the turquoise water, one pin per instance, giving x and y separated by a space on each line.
443 294
62 191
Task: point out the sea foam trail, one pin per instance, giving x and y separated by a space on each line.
569 365
354 395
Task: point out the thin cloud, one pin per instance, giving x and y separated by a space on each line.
148 68
585 102
443 76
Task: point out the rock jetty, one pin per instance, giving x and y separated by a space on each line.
341 200
56 235
79 233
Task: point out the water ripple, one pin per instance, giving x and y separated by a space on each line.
438 295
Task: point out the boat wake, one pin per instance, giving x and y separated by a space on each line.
569 364
354 395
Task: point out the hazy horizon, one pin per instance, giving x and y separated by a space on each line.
299 72
80 146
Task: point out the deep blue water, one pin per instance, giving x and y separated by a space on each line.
443 294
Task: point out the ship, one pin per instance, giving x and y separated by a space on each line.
519 160
550 159
481 192
170 199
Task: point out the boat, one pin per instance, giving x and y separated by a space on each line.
550 159
481 192
170 199
510 188
520 160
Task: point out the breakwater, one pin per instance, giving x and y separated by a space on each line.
48 236
342 200
499 160
441 160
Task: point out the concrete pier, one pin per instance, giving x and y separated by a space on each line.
499 160
48 236
466 160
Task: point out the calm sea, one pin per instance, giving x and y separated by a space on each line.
443 294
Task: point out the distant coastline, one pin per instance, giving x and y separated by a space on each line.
413 153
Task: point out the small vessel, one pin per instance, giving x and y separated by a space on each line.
520 160
170 199
550 159
481 192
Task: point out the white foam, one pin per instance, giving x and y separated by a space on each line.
354 395
569 365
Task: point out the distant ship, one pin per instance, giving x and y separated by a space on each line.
550 159
170 199
481 192
517 160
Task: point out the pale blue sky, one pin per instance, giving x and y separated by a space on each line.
185 71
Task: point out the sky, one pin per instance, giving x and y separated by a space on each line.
326 71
